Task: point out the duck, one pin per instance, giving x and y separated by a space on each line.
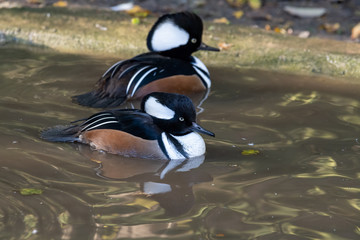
164 128
167 67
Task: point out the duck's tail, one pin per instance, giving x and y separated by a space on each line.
93 99
61 133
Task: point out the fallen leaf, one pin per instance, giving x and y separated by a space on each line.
35 1
238 14
95 160
267 27
250 152
222 20
330 28
60 4
135 21
280 30
144 202
138 11
254 4
305 12
30 191
224 46
355 32
236 3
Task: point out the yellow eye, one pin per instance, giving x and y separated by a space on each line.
193 40
181 119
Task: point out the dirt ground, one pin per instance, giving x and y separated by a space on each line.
337 23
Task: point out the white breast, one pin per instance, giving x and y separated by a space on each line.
193 144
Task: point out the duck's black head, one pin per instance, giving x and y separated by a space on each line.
172 113
177 35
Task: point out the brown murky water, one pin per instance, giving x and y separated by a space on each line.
304 183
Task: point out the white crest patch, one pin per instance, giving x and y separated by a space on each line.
154 108
168 36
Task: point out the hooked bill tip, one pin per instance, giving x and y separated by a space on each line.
197 128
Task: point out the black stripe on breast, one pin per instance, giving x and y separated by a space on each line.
178 146
162 147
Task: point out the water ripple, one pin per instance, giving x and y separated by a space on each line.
304 183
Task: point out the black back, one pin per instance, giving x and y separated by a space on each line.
134 122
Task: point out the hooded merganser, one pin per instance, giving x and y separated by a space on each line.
168 67
164 128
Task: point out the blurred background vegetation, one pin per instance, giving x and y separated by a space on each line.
336 19
303 36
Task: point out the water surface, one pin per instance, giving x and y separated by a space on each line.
303 183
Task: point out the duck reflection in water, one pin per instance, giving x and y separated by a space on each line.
170 183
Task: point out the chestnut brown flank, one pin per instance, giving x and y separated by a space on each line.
118 142
181 84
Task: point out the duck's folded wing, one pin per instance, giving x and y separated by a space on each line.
133 122
124 78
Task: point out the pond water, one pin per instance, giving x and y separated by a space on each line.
303 183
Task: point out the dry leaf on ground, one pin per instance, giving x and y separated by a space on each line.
238 14
254 4
222 20
60 4
330 27
224 46
250 152
138 11
355 32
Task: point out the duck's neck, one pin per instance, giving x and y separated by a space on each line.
177 53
